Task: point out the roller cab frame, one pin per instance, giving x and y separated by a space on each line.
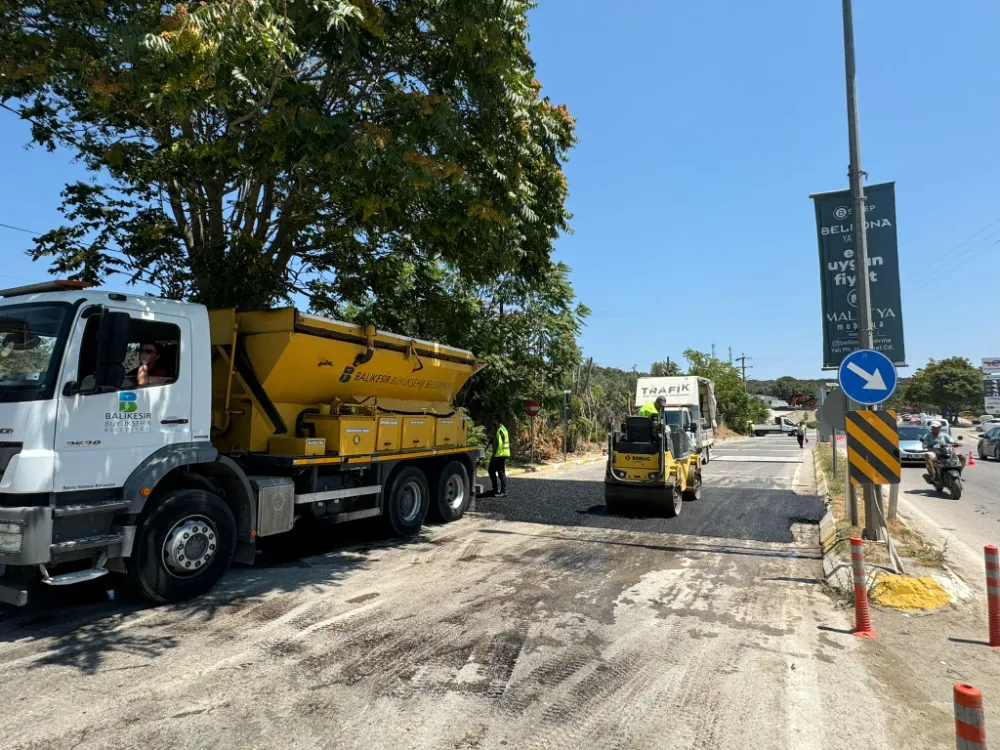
644 474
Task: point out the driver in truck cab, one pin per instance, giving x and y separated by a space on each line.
149 371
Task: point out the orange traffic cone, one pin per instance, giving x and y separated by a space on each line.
971 461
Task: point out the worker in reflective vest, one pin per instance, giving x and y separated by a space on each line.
653 408
498 461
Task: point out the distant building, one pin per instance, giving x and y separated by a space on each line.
771 402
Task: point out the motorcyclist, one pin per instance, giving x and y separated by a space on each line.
931 442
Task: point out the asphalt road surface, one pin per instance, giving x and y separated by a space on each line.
974 520
538 622
749 493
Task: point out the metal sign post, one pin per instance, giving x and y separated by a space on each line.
868 377
531 408
566 406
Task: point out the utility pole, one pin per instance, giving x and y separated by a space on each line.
713 351
860 235
742 359
730 355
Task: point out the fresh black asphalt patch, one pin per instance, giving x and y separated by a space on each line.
760 515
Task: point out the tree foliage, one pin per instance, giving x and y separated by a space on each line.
666 368
736 407
952 384
245 150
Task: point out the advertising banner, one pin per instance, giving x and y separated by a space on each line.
838 269
991 388
991 366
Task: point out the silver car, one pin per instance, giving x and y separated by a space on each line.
911 450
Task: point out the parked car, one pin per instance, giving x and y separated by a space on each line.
911 450
906 417
989 444
986 422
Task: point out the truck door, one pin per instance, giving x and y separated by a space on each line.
102 437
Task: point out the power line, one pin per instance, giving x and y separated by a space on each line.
18 229
956 266
946 256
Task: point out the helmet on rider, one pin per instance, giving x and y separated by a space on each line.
935 427
661 403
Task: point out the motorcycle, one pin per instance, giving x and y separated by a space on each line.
948 466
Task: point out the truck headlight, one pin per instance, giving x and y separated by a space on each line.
654 474
11 537
619 473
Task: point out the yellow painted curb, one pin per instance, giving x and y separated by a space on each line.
907 593
521 470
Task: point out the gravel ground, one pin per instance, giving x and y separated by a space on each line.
487 634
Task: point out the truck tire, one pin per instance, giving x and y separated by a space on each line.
183 546
452 494
407 501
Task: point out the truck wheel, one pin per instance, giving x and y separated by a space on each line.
407 501
452 495
693 491
183 547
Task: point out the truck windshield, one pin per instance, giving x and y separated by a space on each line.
674 418
31 342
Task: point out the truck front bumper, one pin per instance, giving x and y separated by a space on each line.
25 535
25 541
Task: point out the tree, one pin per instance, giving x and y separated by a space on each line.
785 388
665 369
243 151
951 384
735 405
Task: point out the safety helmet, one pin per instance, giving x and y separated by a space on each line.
661 401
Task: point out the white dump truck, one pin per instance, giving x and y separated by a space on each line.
690 407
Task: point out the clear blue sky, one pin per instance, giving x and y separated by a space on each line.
704 127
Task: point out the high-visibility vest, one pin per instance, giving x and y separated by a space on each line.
648 409
503 443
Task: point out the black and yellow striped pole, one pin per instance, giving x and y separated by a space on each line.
873 447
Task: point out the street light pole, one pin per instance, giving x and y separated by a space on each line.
860 235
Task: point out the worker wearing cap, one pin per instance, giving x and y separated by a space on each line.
653 408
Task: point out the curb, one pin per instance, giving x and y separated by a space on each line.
836 566
521 470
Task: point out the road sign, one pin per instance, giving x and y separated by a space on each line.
832 413
531 408
867 376
873 447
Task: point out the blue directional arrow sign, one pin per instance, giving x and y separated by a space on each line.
867 376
